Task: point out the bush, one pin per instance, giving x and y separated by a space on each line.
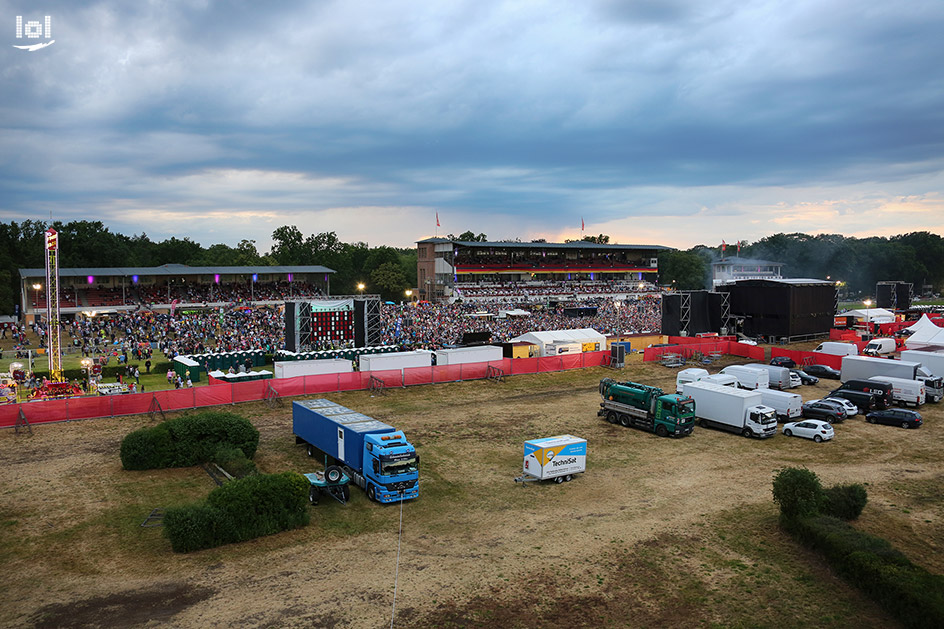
147 449
907 591
234 461
188 440
845 501
798 492
240 510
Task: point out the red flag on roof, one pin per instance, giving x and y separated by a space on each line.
437 220
581 224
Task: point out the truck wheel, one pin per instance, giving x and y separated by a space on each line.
559 480
661 431
568 478
704 422
311 450
624 420
346 493
612 417
333 474
313 494
371 493
748 432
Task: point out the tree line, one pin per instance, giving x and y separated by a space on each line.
389 271
859 263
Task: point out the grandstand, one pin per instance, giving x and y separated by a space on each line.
124 289
448 270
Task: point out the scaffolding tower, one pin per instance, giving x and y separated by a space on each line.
53 341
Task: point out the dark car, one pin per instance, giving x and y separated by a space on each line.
864 400
805 378
783 361
895 417
822 371
820 409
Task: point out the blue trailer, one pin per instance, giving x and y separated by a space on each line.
375 455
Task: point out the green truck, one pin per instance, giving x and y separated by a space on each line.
645 407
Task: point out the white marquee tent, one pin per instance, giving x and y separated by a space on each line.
924 333
584 335
871 315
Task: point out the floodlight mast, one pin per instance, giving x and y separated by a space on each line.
53 347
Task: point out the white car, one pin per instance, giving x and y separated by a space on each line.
814 429
851 409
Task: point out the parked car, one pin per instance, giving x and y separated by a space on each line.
864 401
903 417
851 409
820 409
814 429
822 371
783 361
805 378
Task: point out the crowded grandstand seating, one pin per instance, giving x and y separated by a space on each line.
519 291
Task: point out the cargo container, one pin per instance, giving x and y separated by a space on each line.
557 458
376 456
461 355
295 368
396 360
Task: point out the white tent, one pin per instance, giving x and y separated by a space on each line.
871 315
582 336
924 333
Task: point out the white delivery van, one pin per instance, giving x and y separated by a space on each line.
787 405
905 392
748 377
777 377
879 347
692 374
837 349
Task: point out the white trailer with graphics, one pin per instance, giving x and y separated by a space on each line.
557 458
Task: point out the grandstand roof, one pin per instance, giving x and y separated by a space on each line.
581 244
175 269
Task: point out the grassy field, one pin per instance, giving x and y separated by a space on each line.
657 532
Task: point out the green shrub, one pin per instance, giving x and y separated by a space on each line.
845 501
907 591
148 448
189 440
240 510
233 461
798 492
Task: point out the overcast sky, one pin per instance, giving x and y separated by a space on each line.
673 122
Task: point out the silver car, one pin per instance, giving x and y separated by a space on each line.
814 429
851 409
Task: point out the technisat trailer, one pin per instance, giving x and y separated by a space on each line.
558 458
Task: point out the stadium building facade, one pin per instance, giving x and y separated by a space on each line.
443 265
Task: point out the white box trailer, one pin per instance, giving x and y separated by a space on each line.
461 355
837 349
788 405
735 410
747 377
864 367
396 360
905 392
777 376
558 458
295 368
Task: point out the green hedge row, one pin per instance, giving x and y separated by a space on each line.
240 510
188 440
800 493
908 592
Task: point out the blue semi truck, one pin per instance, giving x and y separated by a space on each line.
376 456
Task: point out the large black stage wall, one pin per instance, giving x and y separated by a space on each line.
704 314
775 309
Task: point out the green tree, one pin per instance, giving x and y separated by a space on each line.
685 270
469 237
389 278
288 246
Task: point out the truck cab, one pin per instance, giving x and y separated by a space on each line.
391 467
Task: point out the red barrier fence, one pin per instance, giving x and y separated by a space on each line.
816 358
716 347
231 393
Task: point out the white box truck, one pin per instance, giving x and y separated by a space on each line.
932 364
787 405
396 360
777 377
837 349
558 458
462 355
905 392
864 367
747 377
731 409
